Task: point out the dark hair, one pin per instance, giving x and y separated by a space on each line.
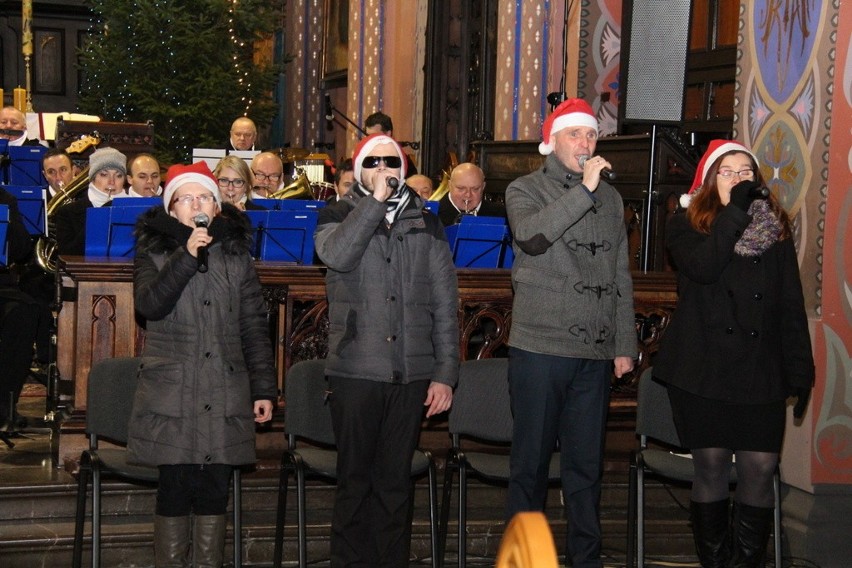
381 119
53 152
706 205
345 166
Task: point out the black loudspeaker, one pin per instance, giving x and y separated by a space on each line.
654 43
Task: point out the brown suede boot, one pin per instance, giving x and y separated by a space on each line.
208 541
171 542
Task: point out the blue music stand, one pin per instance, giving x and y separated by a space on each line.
432 206
481 242
109 231
32 205
25 165
4 229
286 236
289 204
128 201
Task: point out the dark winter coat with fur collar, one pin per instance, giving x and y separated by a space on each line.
207 352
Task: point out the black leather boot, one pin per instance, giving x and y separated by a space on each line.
171 542
710 529
752 526
208 541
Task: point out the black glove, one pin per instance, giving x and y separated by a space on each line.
742 194
803 394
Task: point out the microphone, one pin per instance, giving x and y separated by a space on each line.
606 173
393 183
202 220
759 192
329 110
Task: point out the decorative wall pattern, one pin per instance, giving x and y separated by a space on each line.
303 41
529 60
786 86
600 61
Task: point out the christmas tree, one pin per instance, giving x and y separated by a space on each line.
187 65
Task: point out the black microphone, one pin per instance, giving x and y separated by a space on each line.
329 110
393 183
202 220
759 192
606 173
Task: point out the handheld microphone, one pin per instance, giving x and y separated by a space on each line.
393 183
329 110
202 220
606 173
759 192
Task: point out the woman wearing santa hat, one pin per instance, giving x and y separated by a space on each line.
736 348
207 375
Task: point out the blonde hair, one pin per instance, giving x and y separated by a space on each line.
238 165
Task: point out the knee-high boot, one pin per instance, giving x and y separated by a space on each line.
171 542
208 541
751 533
710 529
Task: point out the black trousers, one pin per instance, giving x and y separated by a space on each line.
377 427
193 488
565 399
18 323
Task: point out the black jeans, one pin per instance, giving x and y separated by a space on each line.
19 316
377 427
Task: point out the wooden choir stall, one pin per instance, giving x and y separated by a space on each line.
97 320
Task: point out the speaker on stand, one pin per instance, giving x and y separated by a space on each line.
654 45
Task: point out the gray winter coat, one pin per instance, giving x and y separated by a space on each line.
208 355
573 289
392 293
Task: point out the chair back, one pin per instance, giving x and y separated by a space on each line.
654 411
306 412
109 401
481 406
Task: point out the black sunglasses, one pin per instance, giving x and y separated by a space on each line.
373 161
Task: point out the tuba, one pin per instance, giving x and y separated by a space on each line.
46 249
299 188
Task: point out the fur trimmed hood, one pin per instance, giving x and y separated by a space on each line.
157 232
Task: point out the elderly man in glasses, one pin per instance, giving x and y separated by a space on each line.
268 173
392 348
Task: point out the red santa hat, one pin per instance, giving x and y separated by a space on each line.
572 112
179 175
715 150
366 145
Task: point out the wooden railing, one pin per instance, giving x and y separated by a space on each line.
97 320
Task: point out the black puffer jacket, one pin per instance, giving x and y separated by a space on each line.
207 352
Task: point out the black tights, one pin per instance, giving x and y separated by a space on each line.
754 476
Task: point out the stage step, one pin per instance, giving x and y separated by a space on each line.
37 523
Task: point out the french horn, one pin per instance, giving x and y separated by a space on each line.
299 188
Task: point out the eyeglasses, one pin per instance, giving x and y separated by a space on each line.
371 162
186 200
747 173
237 182
266 177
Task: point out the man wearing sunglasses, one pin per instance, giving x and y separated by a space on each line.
393 348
